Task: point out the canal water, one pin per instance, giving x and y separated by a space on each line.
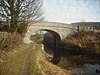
84 69
87 69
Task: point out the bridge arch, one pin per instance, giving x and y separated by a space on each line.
55 34
62 29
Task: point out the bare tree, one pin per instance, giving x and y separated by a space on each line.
15 11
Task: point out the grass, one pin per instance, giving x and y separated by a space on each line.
89 44
35 68
14 61
47 68
8 41
87 40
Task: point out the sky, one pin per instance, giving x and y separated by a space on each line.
69 11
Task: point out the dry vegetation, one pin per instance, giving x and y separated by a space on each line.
46 67
12 64
8 41
22 61
37 64
89 41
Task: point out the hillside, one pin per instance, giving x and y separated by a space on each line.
90 24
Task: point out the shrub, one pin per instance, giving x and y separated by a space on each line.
88 40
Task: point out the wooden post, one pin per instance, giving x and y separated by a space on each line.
78 29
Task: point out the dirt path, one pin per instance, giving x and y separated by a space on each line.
27 62
46 67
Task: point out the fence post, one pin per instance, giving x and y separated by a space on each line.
78 29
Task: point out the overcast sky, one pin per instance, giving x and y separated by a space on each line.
68 11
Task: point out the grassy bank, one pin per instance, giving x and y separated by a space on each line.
8 41
15 61
47 68
89 45
89 41
35 66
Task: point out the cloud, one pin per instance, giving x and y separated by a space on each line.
68 11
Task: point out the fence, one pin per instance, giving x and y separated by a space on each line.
87 28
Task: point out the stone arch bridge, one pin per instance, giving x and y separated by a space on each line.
62 29
59 31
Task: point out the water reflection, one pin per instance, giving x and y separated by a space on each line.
87 69
71 56
80 68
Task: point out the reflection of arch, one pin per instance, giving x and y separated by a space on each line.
55 45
